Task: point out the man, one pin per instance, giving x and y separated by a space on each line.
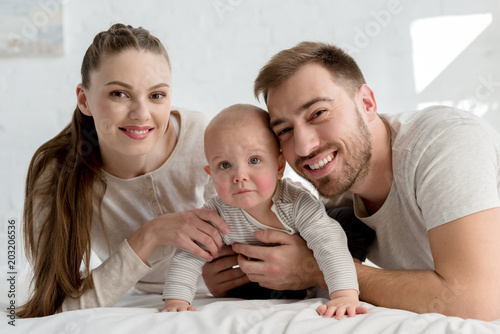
428 183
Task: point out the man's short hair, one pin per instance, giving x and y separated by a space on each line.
285 63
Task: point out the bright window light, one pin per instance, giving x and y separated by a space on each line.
438 41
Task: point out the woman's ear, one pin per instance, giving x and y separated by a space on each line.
367 102
207 169
81 100
281 165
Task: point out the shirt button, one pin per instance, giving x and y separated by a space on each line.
148 178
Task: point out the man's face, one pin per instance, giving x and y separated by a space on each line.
322 131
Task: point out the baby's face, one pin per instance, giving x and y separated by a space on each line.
243 163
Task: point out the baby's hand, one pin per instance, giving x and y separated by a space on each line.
177 305
342 302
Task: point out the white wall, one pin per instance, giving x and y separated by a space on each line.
218 46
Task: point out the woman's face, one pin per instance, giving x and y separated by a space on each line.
129 99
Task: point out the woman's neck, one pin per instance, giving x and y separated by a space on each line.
127 167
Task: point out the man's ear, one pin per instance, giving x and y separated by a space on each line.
367 102
207 169
281 165
81 100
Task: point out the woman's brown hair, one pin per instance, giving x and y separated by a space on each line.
286 63
65 185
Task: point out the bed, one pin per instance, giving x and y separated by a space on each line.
139 314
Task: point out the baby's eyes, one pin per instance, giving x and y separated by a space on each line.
254 160
224 165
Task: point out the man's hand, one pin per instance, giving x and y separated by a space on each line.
289 265
222 274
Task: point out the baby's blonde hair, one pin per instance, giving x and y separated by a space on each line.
238 115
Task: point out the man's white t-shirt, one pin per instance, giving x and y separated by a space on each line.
446 165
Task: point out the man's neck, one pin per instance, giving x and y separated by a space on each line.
377 184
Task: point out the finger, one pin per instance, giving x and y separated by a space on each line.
219 265
233 283
257 271
330 312
339 313
191 232
321 309
249 266
192 247
206 243
227 280
274 237
351 311
250 251
362 310
191 308
205 234
226 250
170 309
212 217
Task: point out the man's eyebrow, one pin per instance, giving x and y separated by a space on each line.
312 102
123 84
301 109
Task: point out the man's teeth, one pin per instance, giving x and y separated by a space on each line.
137 132
322 163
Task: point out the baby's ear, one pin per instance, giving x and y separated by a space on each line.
207 169
281 165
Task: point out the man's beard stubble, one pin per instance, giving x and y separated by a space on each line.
356 164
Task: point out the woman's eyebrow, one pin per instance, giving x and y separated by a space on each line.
123 84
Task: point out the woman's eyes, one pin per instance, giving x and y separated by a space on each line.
118 94
122 94
158 96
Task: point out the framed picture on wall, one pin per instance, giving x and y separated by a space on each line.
31 28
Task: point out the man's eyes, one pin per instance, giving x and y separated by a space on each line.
318 113
282 131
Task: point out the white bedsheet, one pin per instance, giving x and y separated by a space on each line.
139 314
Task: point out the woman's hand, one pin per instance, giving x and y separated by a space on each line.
222 274
288 266
186 229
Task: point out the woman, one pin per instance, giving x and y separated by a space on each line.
116 181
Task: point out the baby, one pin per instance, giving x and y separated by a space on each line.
246 166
